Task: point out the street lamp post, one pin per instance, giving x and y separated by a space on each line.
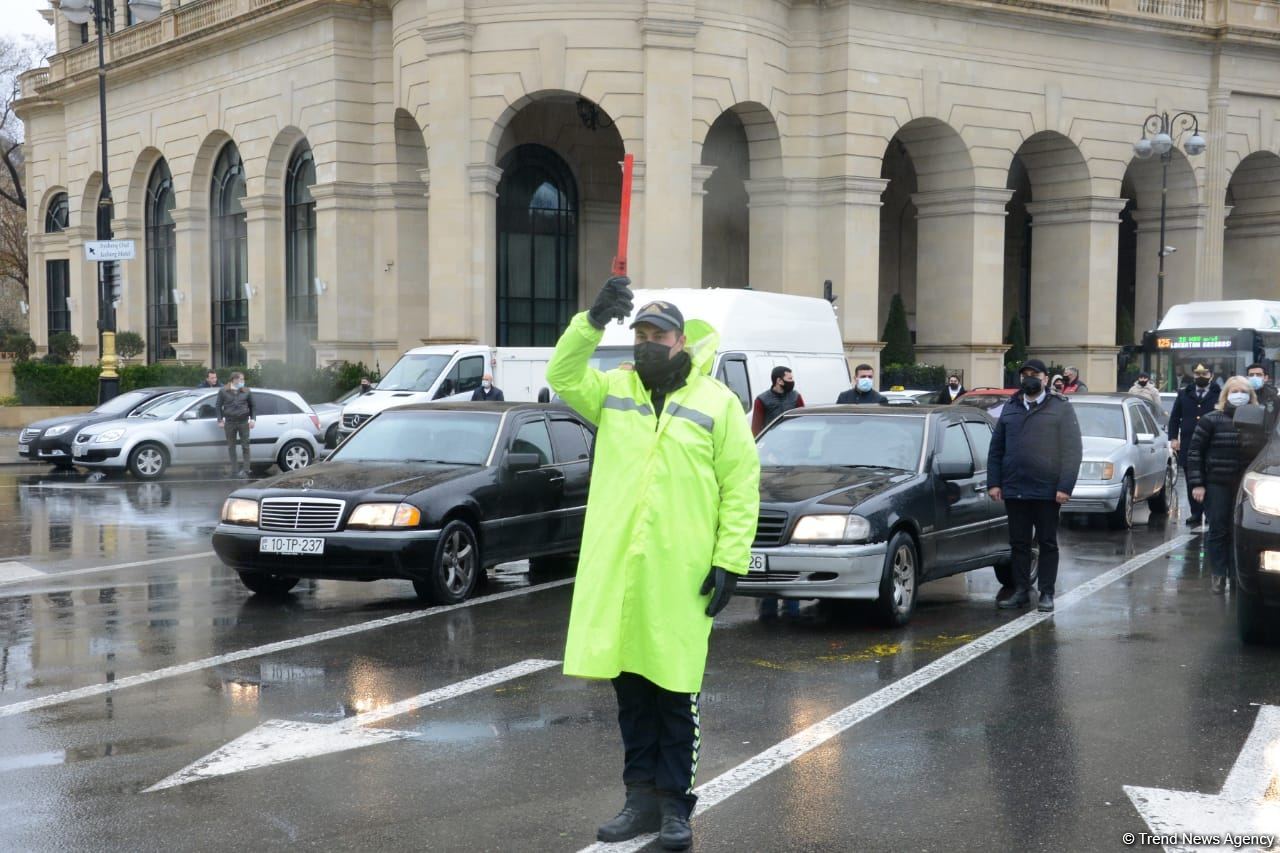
82 12
1164 132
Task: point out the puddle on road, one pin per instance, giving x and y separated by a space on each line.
92 752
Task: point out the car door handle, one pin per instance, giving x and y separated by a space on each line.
557 479
980 487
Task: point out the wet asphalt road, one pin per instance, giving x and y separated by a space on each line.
1024 747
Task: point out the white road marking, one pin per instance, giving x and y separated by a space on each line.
1244 807
280 741
257 651
49 576
12 571
783 753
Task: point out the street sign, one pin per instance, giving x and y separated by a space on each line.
109 250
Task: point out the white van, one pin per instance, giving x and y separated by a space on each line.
450 372
758 331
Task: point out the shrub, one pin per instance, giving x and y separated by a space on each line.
10 401
897 336
913 375
65 346
159 375
130 344
40 383
18 343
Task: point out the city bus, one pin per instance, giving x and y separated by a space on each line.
1225 336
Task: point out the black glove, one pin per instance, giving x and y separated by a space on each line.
724 582
614 302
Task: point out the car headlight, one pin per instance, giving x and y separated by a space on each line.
58 430
385 515
1097 470
831 528
1264 492
109 435
240 511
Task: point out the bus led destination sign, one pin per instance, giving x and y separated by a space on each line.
1194 342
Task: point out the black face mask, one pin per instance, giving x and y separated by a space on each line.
788 387
954 386
658 369
1202 381
1033 385
1142 382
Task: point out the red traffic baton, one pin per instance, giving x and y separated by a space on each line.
624 219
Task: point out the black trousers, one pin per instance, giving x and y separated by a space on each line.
1197 507
1038 519
661 735
1220 510
232 430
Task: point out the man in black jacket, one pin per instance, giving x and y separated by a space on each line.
1192 403
952 391
863 392
236 417
1268 396
1032 466
487 392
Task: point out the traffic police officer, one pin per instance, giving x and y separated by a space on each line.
1193 401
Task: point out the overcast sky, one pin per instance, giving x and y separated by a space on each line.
22 17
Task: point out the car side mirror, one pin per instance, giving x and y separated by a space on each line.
188 415
1251 416
1145 438
518 462
948 470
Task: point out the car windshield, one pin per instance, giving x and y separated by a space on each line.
1100 420
845 440
169 406
414 373
450 438
123 404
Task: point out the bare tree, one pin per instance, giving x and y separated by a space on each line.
16 56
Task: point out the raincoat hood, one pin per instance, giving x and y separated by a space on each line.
701 342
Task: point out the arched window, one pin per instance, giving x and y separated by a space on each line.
537 247
57 273
229 236
162 265
300 257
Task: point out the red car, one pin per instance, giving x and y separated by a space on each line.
990 400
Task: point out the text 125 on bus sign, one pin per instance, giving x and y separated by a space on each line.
1194 342
109 250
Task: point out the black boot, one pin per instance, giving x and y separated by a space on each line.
676 833
1046 602
1020 598
639 815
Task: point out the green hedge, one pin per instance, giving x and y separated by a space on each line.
40 384
912 376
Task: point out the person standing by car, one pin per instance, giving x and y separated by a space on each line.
1072 384
1144 388
863 392
365 386
210 381
1057 383
1032 466
670 520
235 416
1268 396
487 392
1216 462
772 403
952 391
1193 402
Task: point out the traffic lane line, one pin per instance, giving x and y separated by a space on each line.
91 691
785 752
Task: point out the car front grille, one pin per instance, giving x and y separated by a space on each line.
354 421
305 515
769 577
771 529
28 436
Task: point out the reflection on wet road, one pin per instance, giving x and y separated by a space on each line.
350 716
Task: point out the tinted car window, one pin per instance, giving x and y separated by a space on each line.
954 446
267 404
1100 420
533 438
206 410
453 438
980 438
733 372
844 440
123 404
1146 420
167 407
570 442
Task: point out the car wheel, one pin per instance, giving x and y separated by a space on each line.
1161 503
456 567
1121 517
266 584
331 437
1251 618
148 461
295 456
898 583
1004 569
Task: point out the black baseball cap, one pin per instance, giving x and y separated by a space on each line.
664 315
1033 364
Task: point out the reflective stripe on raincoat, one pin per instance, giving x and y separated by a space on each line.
670 498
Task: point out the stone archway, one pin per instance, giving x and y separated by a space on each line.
1251 244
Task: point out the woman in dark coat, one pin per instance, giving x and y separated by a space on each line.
1216 462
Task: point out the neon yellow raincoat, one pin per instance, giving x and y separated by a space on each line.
671 496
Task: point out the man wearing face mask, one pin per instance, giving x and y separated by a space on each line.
863 392
1143 387
1193 402
951 392
782 397
234 405
675 494
1268 396
1032 466
487 392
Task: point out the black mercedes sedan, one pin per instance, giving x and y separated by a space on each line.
867 503
50 440
1257 540
434 494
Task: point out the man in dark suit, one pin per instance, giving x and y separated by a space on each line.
487 392
951 391
1193 401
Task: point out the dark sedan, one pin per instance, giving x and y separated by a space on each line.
50 440
1257 543
434 494
860 502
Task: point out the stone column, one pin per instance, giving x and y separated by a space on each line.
44 247
131 314
1073 285
264 219
83 287
701 174
766 224
191 242
399 293
598 230
345 219
849 255
1209 274
667 247
960 281
1185 231
483 193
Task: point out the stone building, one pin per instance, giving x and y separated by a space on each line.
342 179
